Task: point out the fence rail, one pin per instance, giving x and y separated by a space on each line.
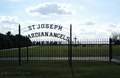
58 50
81 50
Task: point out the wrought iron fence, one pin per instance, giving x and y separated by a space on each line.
83 49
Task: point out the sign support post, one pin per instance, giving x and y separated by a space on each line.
19 47
110 49
70 44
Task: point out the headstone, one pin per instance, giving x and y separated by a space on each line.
75 45
92 45
84 45
99 45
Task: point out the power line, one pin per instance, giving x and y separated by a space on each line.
24 28
66 28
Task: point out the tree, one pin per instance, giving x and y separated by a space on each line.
51 42
8 33
114 36
11 41
55 43
119 36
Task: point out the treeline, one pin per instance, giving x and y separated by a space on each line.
12 41
115 37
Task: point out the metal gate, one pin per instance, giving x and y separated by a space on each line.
115 48
42 49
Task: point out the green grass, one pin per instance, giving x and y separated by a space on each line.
59 69
55 51
116 50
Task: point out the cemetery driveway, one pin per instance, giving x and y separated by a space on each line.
57 58
62 58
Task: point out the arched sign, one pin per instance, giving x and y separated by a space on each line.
50 34
47 34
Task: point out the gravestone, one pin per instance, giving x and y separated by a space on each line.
92 45
75 45
99 45
84 45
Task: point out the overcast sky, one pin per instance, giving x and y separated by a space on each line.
90 19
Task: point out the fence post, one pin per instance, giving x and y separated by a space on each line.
70 44
110 49
27 48
68 52
19 54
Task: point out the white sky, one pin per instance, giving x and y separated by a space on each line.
90 19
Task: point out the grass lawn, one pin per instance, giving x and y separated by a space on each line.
116 50
58 51
59 69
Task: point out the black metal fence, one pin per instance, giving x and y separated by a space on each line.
83 49
115 51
